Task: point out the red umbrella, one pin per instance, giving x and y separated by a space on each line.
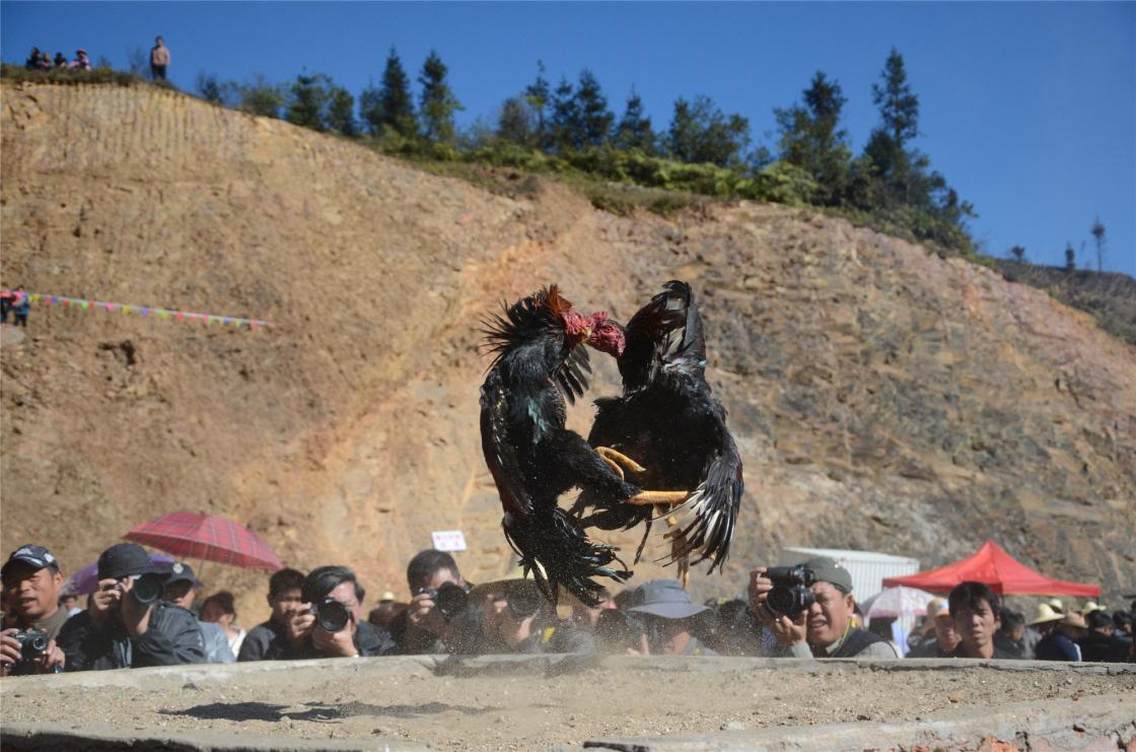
209 537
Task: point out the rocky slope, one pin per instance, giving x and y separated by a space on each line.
883 397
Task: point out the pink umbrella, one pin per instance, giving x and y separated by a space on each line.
190 535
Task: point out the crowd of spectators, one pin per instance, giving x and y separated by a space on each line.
41 60
145 614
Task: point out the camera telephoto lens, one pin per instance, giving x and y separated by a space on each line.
523 603
148 588
790 594
331 615
451 600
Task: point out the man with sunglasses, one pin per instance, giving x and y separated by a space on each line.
126 624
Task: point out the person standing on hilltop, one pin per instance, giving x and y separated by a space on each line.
159 59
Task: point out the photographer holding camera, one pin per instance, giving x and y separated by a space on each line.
126 624
31 582
330 623
515 617
808 609
436 621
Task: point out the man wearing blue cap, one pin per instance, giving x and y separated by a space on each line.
126 624
668 615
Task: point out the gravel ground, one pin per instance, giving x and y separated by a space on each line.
493 705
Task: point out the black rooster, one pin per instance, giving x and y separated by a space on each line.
668 420
538 364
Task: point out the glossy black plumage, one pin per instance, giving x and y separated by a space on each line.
668 421
532 456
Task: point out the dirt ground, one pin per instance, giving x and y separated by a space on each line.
503 704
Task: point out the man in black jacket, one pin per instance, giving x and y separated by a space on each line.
285 598
330 592
122 628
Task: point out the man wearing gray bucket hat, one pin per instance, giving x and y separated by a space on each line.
668 615
808 609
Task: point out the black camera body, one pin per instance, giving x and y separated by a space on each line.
523 602
790 594
33 643
148 588
618 629
331 615
450 599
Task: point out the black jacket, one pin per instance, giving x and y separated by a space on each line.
264 642
1098 647
369 641
173 638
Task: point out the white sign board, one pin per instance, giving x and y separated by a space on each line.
448 540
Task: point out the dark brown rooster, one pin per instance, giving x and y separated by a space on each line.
538 364
674 428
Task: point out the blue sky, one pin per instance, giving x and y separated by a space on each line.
1028 109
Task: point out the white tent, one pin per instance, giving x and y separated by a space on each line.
905 604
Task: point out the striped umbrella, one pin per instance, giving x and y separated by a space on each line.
190 535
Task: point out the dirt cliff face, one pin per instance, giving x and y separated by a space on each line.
883 397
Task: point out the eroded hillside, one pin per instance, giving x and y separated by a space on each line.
883 397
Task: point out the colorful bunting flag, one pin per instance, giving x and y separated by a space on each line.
145 311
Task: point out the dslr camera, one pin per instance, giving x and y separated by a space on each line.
450 599
331 615
790 594
617 629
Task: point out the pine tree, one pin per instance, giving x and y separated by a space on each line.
634 130
811 137
390 105
537 95
515 123
595 117
899 106
899 169
564 121
341 112
1019 253
701 132
307 100
1070 258
437 103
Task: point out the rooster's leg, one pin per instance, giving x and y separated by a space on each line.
679 553
612 456
615 468
651 498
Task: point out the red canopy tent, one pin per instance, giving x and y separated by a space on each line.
996 568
